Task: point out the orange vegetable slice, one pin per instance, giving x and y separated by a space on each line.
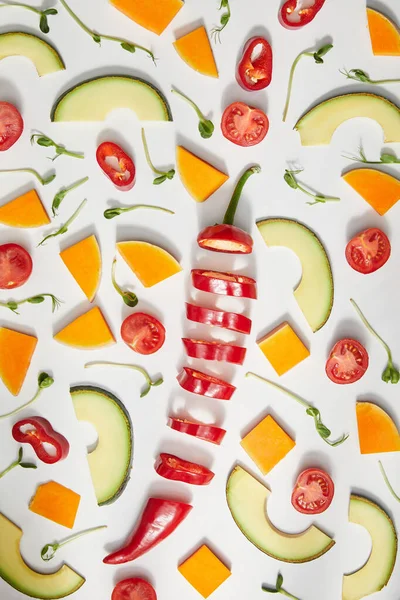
90 330
151 264
385 36
16 351
56 502
195 49
154 16
376 430
379 189
283 348
204 571
83 260
267 444
200 178
25 211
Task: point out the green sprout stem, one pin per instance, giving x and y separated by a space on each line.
64 227
360 75
292 182
18 463
49 550
129 298
38 299
385 477
149 382
42 180
278 589
46 142
43 14
224 20
110 213
206 127
44 381
385 159
162 175
233 204
59 197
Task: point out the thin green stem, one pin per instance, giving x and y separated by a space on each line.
42 180
110 213
233 204
285 593
224 20
44 381
363 77
46 142
385 477
163 174
205 127
49 550
38 299
12 466
190 102
64 228
59 197
149 381
290 83
128 297
21 5
280 388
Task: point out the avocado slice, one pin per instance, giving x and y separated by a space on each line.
376 572
45 58
110 462
94 99
314 293
15 571
317 126
248 502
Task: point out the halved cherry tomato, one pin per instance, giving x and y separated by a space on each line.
348 361
218 318
178 469
200 383
207 433
134 588
368 251
117 165
254 70
15 266
297 13
143 333
215 351
227 284
11 125
313 492
243 125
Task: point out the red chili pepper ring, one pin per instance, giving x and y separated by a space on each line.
49 445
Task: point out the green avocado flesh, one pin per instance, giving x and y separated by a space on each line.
318 125
110 462
45 58
376 572
314 293
248 502
16 572
93 100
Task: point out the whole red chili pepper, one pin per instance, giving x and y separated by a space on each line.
37 432
227 284
178 469
218 318
214 351
159 519
200 383
208 433
254 70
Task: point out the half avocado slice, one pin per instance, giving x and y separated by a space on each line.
45 58
110 462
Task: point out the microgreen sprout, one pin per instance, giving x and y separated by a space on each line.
128 297
360 75
49 550
18 463
385 158
278 589
292 182
43 140
64 228
44 382
385 477
161 175
42 180
43 14
224 20
206 127
111 213
149 382
59 197
38 299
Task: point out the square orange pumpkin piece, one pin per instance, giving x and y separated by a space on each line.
204 571
267 444
283 348
56 502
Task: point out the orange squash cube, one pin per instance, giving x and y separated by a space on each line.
204 571
283 348
55 502
267 444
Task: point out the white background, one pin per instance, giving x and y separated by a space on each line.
277 272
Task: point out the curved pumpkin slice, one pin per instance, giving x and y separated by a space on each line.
379 189
195 49
16 351
376 430
199 177
385 36
154 16
25 211
83 260
90 330
151 264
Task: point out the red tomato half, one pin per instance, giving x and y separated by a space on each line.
297 13
313 492
11 125
368 251
254 70
143 333
117 165
134 588
243 125
15 266
347 362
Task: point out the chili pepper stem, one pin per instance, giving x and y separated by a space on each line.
233 204
149 381
385 477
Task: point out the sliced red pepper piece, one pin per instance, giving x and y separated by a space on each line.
37 432
297 13
254 70
159 519
117 165
208 433
202 384
214 351
227 284
178 469
218 318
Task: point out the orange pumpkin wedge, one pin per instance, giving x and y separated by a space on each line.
195 49
154 16
151 264
83 260
376 430
200 178
25 211
16 351
385 36
56 502
90 330
379 189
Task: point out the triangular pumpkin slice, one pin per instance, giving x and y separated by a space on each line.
385 36
16 351
90 330
154 16
199 177
379 189
376 430
83 260
25 211
195 49
151 264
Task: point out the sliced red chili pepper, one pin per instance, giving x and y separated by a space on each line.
218 318
117 165
49 445
208 433
227 284
297 13
178 469
254 70
202 384
215 351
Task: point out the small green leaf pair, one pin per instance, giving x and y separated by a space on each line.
278 589
44 381
18 463
38 299
360 75
205 126
224 20
161 175
385 158
43 14
46 142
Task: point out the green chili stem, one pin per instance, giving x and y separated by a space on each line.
233 204
385 477
42 180
149 381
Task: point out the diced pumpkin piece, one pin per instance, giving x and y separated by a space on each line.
154 16
267 444
90 330
195 49
385 36
25 211
151 264
204 571
379 189
283 348
16 351
56 502
83 260
376 430
199 177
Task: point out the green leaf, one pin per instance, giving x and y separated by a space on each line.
279 582
96 38
49 179
389 158
48 551
324 50
158 382
128 47
110 213
43 24
323 431
50 11
225 19
313 412
290 180
27 465
269 590
44 141
20 454
130 299
44 380
160 179
12 305
36 300
206 128
171 174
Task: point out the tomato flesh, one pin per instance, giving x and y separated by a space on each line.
243 125
15 266
297 13
368 251
11 125
348 361
313 492
134 588
143 333
254 71
117 165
